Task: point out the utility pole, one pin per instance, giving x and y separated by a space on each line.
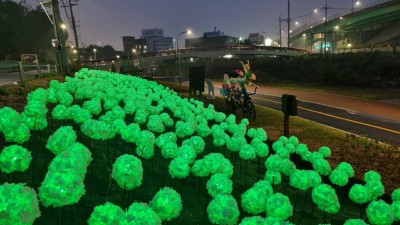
288 24
326 23
78 61
60 38
280 31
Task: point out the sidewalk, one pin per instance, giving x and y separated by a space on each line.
370 107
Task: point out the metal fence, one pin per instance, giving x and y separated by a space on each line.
15 71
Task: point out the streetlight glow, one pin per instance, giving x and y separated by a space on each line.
177 52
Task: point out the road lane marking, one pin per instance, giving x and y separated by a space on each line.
340 118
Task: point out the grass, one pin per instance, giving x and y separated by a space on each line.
365 93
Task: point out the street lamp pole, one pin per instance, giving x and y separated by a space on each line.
288 25
177 52
95 50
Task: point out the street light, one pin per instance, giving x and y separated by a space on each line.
95 50
177 52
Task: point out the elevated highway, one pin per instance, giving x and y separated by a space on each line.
375 25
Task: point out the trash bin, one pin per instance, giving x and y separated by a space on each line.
196 79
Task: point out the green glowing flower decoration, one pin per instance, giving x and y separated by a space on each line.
379 213
169 150
107 214
98 130
219 184
167 204
61 139
187 152
254 220
355 222
200 168
288 167
279 206
360 194
64 98
179 168
34 123
284 140
322 166
14 158
396 195
9 119
376 188
39 94
325 151
128 172
217 163
197 143
35 108
203 130
130 132
396 210
293 140
273 177
346 167
253 201
165 138
93 106
247 152
60 112
301 179
20 135
140 213
326 199
339 177
18 204
372 175
303 151
223 209
274 163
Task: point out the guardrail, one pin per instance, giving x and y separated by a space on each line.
7 67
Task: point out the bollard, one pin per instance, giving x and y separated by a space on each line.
289 108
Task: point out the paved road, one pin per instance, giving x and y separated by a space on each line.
9 78
374 119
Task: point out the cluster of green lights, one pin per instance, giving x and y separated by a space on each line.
101 116
18 204
63 184
14 158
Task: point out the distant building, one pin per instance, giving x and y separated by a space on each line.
156 41
131 43
152 33
256 39
214 38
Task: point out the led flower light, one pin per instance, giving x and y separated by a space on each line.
217 163
61 139
360 194
236 142
51 95
130 132
145 142
322 166
39 94
18 204
372 176
169 150
326 199
141 116
379 213
346 167
98 130
200 168
279 206
274 162
197 143
396 195
63 183
253 201
293 140
14 158
247 152
118 125
223 209
254 220
376 188
20 135
128 172
60 112
64 98
140 213
79 115
288 167
9 119
155 124
303 179
396 210
35 108
107 214
262 149
325 151
203 130
179 168
355 222
284 140
165 138
167 204
339 177
219 184
303 151
283 152
273 177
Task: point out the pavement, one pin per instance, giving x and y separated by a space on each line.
390 111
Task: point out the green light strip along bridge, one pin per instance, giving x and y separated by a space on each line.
375 25
214 52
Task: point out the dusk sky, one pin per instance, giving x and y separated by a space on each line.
106 21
